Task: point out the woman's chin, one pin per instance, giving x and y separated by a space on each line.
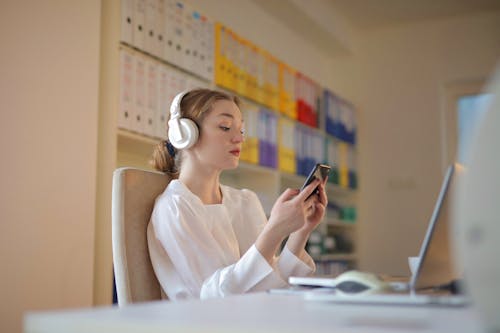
232 165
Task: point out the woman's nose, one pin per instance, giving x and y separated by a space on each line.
238 137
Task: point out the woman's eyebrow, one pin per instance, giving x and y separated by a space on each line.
225 115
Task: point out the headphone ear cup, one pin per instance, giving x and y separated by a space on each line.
189 134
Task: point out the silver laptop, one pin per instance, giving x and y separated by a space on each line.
434 269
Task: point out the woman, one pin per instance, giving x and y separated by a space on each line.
210 240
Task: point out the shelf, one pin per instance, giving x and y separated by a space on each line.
134 149
133 138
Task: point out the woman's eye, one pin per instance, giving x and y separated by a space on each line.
224 128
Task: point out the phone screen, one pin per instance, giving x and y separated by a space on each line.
320 171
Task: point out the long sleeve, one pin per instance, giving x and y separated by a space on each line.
291 265
204 245
202 251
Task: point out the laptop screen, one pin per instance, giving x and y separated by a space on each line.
435 267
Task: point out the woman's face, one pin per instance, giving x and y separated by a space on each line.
221 136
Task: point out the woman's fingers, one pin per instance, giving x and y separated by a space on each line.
308 190
322 195
288 194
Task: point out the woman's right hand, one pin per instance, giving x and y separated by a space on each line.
290 211
288 214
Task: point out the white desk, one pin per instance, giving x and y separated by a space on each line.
255 313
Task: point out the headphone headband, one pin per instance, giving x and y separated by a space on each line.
175 107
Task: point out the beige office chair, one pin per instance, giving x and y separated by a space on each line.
134 193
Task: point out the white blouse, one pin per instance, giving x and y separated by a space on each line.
201 251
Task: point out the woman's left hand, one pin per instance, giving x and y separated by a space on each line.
316 208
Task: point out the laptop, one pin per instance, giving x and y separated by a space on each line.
434 269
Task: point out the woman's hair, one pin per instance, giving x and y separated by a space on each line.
195 105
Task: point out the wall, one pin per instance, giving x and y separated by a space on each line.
48 139
404 72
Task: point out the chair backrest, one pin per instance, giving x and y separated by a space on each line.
134 194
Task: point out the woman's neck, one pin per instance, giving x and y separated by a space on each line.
203 183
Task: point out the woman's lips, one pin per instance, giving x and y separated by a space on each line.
235 152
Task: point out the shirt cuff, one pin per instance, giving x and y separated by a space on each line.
243 280
291 265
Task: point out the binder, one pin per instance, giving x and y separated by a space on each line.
332 160
163 105
168 30
252 71
307 100
220 54
352 168
260 88
139 35
299 149
150 27
207 48
309 155
273 80
140 94
250 147
330 111
231 70
127 21
343 164
273 139
267 138
286 147
126 104
186 60
151 98
350 123
287 103
318 149
159 26
195 44
178 34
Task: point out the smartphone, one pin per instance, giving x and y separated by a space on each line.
320 171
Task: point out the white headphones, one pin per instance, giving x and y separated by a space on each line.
182 132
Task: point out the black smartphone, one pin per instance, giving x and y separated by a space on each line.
320 171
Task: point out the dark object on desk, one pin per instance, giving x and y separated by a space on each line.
455 287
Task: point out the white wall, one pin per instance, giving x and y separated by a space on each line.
403 72
48 139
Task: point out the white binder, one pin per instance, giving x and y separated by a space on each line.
151 98
126 104
168 30
207 49
139 40
140 94
163 102
149 26
177 34
127 21
160 28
